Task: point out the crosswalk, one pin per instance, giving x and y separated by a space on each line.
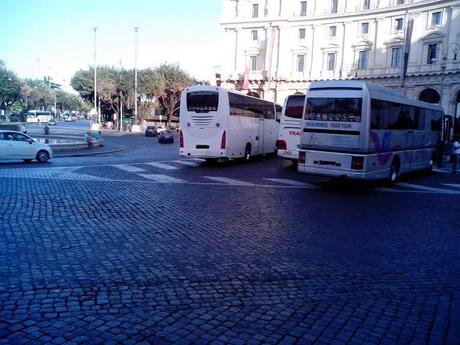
168 172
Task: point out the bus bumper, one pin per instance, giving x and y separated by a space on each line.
289 154
203 153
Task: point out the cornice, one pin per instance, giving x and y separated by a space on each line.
411 8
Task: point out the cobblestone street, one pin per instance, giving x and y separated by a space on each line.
86 259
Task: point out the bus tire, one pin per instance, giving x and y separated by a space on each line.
43 156
432 162
247 153
394 170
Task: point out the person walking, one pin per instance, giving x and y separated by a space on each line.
455 154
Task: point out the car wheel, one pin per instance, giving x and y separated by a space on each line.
43 156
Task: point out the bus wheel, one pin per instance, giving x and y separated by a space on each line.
247 153
394 171
432 162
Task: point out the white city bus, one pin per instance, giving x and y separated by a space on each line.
290 127
218 123
364 131
38 116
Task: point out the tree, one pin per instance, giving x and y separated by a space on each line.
35 94
9 88
171 81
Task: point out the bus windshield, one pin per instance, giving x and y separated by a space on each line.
294 106
202 101
334 109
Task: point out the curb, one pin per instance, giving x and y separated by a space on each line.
87 153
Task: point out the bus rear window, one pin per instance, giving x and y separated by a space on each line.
202 101
334 109
294 106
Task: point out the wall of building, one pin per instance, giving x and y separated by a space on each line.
278 44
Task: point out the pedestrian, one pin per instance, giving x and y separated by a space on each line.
89 140
455 154
47 130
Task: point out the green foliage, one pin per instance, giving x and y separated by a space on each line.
115 87
9 88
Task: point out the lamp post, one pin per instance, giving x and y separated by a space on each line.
95 78
135 74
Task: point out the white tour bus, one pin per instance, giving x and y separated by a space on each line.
364 131
290 127
218 123
38 116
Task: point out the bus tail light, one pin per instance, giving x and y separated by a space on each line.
281 145
357 162
224 140
181 140
301 157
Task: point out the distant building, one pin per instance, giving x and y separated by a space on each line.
282 46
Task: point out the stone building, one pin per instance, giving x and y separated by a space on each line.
282 46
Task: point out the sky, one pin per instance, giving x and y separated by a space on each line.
55 37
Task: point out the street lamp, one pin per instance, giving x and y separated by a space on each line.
95 77
135 74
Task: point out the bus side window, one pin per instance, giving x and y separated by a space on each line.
420 118
436 120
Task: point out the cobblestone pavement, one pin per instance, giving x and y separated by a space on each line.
88 257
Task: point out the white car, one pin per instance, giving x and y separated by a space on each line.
15 145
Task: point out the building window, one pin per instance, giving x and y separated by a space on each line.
300 63
436 19
303 8
362 59
398 24
332 31
334 6
366 4
253 62
364 28
396 57
301 34
432 53
331 61
255 10
254 35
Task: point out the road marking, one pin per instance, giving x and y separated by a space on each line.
162 178
428 189
129 168
229 181
161 165
185 162
443 171
455 185
291 182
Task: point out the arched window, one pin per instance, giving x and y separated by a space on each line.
430 96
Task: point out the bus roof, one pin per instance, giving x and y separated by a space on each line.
217 88
373 89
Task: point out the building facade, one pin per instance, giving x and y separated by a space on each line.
281 46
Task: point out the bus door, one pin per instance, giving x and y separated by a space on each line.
260 138
408 153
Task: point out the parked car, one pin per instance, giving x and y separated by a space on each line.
15 145
162 129
151 131
52 122
166 137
